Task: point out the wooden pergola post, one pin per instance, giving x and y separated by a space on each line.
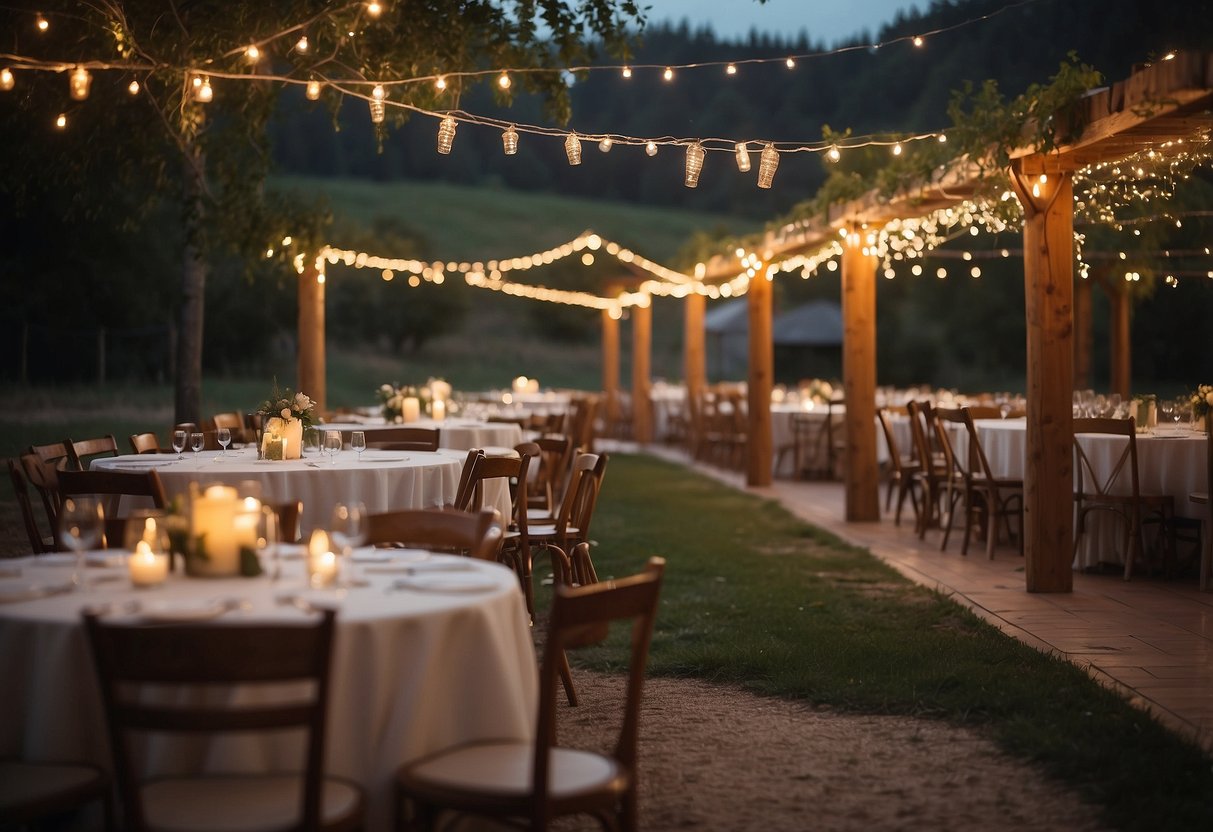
1048 258
1083 337
610 363
642 346
859 378
311 361
761 379
1119 330
694 355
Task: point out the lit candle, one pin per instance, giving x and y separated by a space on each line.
215 534
321 560
438 410
520 384
411 409
146 567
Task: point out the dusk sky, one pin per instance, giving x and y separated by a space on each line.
826 20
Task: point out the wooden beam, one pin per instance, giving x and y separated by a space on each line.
1119 312
642 345
859 379
1048 259
610 364
311 355
761 378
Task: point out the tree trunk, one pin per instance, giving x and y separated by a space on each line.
188 405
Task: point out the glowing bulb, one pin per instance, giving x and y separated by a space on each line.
918 40
975 271
377 92
790 63
943 138
1170 56
1036 190
503 81
897 149
695 154
668 74
202 90
79 82
377 111
731 69
1044 178
440 84
7 81
587 259
572 149
42 25
301 45
834 155
509 141
253 53
61 121
743 157
941 272
313 90
627 72
915 270
133 88
767 163
374 9
650 148
446 135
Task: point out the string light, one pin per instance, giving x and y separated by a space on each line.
650 148
606 144
694 164
743 157
668 74
767 164
313 90
440 83
790 63
202 89
378 111
61 121
79 82
446 135
626 72
377 92
133 88
374 9
731 69
7 81
503 81
301 45
253 53
41 24
834 154
917 41
572 149
509 141
897 149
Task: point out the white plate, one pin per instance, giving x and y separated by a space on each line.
369 554
14 591
101 559
448 582
183 609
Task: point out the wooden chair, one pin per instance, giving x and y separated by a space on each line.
288 519
31 792
551 476
113 484
584 409
43 475
233 421
903 470
1118 492
87 449
477 534
38 542
515 549
933 470
400 439
1206 498
133 658
56 453
985 499
145 443
532 782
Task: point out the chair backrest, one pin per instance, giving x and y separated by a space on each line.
576 610
890 438
400 439
55 453
232 421
581 429
577 509
114 484
921 418
513 470
44 477
476 533
145 443
1091 484
85 449
130 659
554 466
16 473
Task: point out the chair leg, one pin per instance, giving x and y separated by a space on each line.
566 679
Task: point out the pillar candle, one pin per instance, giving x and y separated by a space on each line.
411 409
146 568
321 560
214 532
438 410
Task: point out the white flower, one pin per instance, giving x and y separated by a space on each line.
1209 399
286 413
302 402
385 389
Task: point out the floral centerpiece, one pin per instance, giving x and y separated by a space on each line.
395 403
285 415
817 390
1202 403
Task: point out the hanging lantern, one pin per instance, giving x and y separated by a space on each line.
695 156
7 81
743 157
509 141
313 90
446 135
377 111
767 163
80 81
572 148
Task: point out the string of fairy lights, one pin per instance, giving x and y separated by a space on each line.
202 79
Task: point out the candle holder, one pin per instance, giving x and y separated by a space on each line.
321 561
147 540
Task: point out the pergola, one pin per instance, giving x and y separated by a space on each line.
1167 101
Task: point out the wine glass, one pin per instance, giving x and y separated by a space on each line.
197 443
81 522
347 531
1166 409
332 445
224 437
1178 409
358 442
180 438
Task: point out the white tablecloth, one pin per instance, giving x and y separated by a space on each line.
383 480
413 671
783 430
454 433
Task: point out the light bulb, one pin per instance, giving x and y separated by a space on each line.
377 92
627 72
446 135
313 90
572 149
42 25
133 88
606 144
767 163
918 40
503 81
651 148
668 74
374 9
943 138
301 45
440 83
7 81
695 154
897 149
253 53
509 141
61 121
790 63
743 157
377 111
834 154
731 69
79 82
202 90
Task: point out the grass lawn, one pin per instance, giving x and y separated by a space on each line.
755 597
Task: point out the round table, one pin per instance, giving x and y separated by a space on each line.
453 432
382 480
414 669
